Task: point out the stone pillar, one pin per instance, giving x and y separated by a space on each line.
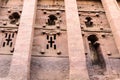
113 14
78 70
0 2
20 66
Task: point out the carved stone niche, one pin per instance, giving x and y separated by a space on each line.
106 41
11 19
89 5
10 13
50 19
50 43
50 14
7 40
101 54
94 21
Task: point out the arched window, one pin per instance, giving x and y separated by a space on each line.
95 51
52 19
14 17
88 22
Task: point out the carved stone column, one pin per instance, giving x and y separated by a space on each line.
113 14
20 66
78 70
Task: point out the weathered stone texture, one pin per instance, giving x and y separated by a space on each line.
59 40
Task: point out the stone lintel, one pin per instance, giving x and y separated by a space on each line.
77 59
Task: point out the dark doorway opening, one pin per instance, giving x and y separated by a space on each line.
96 53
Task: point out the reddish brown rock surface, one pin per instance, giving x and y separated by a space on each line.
59 40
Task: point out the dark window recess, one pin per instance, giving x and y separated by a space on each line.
54 36
97 55
55 46
13 35
51 20
89 22
3 44
14 17
12 50
47 37
51 42
11 44
47 46
6 35
9 39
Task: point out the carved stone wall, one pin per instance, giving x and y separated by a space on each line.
10 13
100 47
59 40
50 50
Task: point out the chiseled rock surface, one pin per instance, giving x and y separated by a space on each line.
49 68
5 61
